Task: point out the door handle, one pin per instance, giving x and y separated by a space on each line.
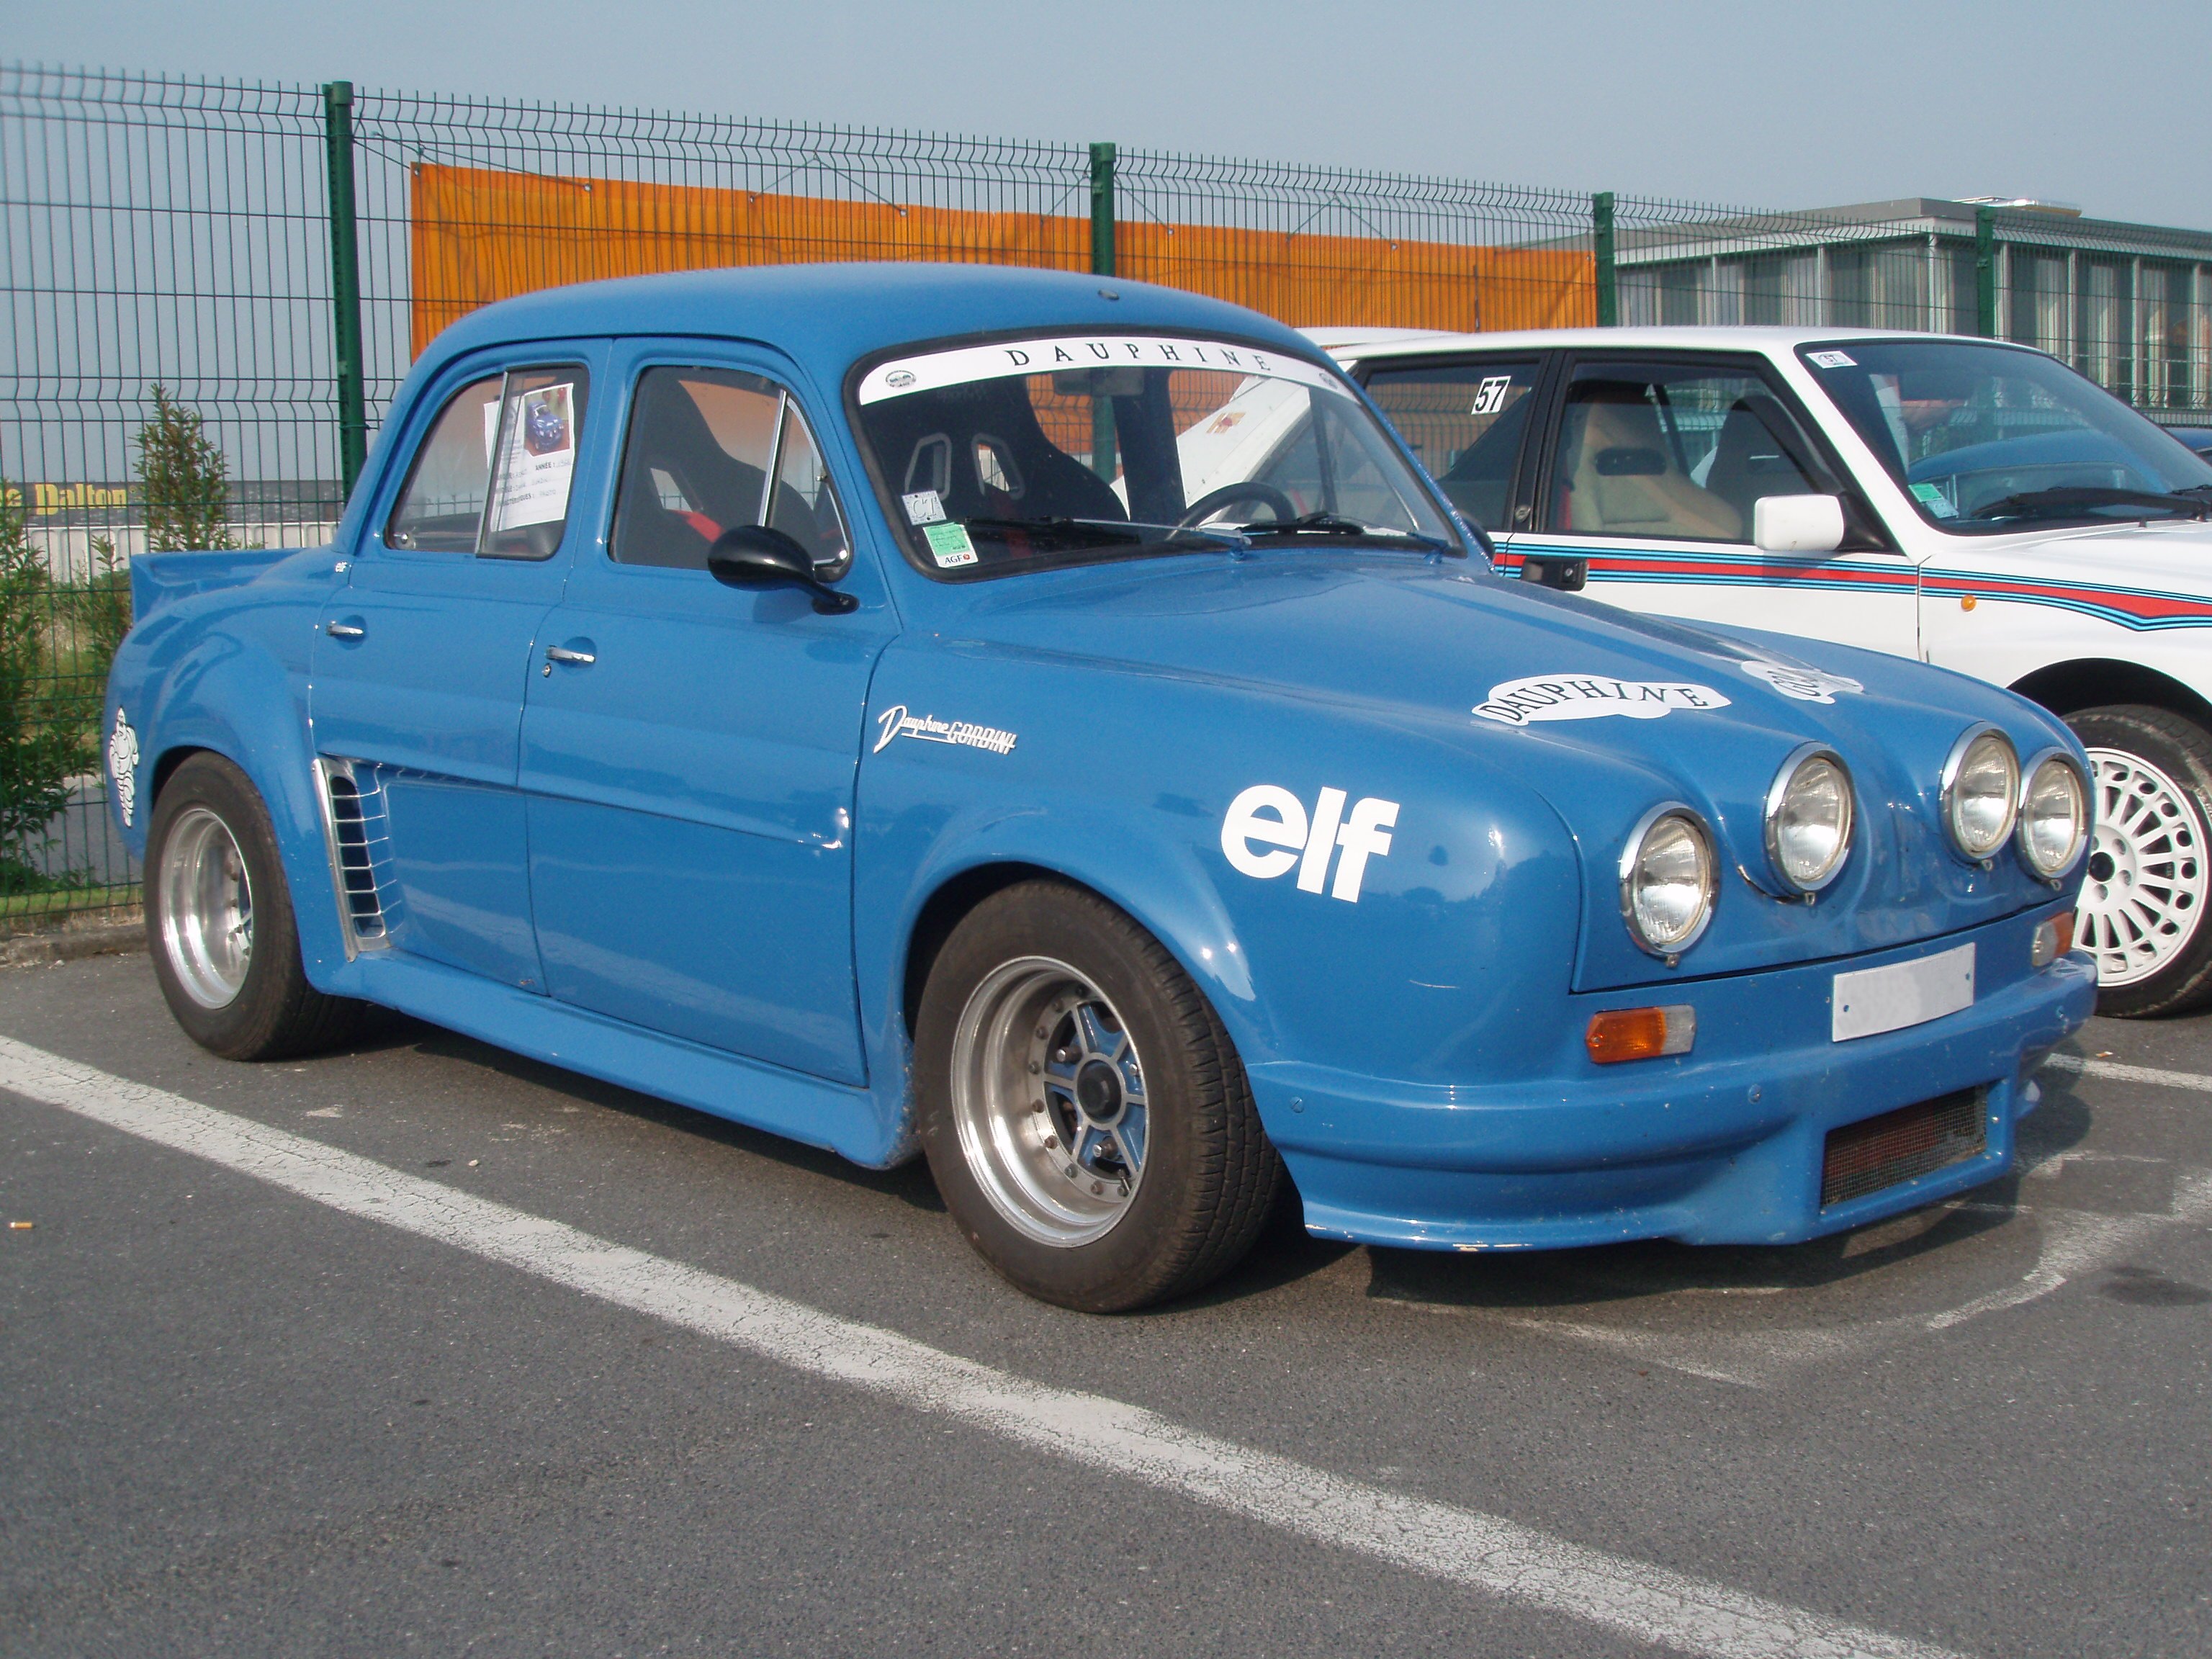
568 654
345 630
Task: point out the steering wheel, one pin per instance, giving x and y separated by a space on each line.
1250 491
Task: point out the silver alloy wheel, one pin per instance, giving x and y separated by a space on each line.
207 908
2142 898
1048 1098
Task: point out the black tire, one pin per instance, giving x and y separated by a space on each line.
1208 1173
274 1011
2181 751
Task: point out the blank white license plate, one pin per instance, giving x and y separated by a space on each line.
1877 999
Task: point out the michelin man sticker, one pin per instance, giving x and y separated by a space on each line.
123 767
1591 697
1805 685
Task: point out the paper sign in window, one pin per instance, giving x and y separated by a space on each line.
540 462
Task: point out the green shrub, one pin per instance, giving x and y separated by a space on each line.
43 738
184 483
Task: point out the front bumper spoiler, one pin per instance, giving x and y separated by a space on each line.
1722 1146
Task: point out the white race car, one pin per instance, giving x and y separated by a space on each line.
1974 504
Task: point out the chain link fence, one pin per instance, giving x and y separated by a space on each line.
245 273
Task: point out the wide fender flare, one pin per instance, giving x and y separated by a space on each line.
1119 850
227 695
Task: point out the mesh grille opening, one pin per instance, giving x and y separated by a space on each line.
1912 1141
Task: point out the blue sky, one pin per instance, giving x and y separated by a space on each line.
1771 105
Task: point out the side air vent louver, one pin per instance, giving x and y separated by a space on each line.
361 851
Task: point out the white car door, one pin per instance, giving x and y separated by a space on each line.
1652 468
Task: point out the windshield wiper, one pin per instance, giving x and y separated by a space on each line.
1335 524
1075 532
2064 500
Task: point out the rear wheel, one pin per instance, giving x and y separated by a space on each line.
219 922
1084 1114
2148 884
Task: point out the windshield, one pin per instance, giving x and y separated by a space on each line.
1068 449
1984 439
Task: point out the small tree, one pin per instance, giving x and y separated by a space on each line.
184 482
41 744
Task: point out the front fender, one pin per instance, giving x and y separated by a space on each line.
1427 963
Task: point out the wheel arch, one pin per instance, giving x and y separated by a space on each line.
944 909
1185 916
166 764
2066 687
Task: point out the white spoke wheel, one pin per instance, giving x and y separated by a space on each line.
220 925
1083 1112
2147 877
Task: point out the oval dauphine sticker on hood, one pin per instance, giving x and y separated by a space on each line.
1592 697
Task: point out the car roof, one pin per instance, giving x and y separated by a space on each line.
1369 342
832 314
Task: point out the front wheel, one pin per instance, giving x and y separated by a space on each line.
219 922
1083 1113
2144 895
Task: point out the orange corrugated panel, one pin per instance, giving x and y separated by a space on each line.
481 235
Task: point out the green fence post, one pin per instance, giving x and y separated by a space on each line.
1608 279
345 282
1102 209
1985 272
1102 265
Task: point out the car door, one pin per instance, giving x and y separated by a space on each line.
689 749
416 676
1652 468
1469 420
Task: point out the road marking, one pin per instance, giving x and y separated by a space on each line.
2120 1073
1463 1547
2081 1241
2074 1244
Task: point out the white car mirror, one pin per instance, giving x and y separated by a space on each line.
1797 524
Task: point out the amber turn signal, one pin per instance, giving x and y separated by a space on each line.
2053 939
1641 1033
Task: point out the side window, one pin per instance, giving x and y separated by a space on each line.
1465 422
1680 452
456 501
701 444
441 508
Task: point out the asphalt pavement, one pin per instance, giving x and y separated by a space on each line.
423 1348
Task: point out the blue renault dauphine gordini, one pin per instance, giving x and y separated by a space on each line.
1057 727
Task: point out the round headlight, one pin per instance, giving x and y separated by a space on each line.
2054 815
1808 818
1668 880
1981 791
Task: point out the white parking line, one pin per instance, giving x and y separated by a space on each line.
2120 1073
1475 1551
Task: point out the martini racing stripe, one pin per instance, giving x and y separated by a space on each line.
2135 608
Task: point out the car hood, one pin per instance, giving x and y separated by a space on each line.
1602 714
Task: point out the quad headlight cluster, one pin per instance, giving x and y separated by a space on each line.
1990 798
1669 874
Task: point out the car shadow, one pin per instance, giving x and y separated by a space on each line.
1285 1253
908 1182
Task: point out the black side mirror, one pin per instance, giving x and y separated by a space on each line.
753 556
1568 575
